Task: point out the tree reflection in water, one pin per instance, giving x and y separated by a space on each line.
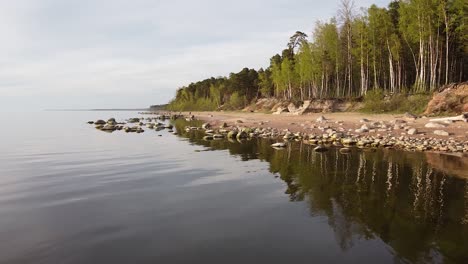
414 206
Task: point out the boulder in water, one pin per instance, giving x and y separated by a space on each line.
232 134
108 127
134 120
242 135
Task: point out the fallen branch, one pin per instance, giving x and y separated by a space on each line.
463 117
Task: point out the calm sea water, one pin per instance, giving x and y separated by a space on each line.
72 194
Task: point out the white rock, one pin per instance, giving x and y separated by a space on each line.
435 125
412 131
441 133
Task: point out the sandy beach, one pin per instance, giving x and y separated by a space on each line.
349 121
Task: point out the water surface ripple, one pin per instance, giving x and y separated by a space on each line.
72 194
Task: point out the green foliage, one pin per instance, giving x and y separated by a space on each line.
376 102
236 101
201 104
265 83
212 93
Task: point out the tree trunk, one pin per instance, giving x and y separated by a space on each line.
446 45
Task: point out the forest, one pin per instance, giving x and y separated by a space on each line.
409 47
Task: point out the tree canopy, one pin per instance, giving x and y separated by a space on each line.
412 45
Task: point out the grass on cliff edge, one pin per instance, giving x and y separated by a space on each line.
376 102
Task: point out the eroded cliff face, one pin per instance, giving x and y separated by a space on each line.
309 106
452 98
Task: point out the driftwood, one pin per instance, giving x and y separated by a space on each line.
463 117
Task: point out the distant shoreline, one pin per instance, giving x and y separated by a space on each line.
92 110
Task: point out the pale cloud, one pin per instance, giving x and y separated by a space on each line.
122 53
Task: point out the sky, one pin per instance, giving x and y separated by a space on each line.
81 54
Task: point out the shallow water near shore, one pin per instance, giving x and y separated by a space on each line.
72 194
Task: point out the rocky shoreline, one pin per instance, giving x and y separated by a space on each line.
322 132
334 135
